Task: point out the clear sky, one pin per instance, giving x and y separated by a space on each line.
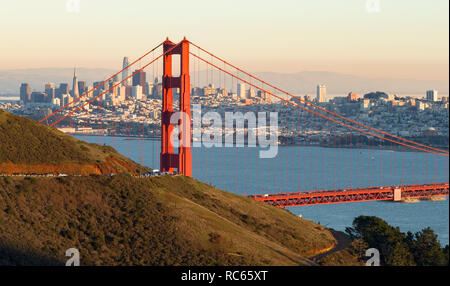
405 39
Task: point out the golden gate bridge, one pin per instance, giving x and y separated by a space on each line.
182 160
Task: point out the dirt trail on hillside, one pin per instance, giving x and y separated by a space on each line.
343 241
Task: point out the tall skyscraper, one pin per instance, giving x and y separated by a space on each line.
139 78
63 89
157 89
100 88
115 88
126 72
50 91
39 97
251 93
75 92
25 93
321 93
81 87
241 90
121 94
432 95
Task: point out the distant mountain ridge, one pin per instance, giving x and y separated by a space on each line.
10 80
300 83
306 82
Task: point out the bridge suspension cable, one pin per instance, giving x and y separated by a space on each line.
114 86
440 152
101 84
318 107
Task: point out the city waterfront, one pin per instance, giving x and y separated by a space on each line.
240 170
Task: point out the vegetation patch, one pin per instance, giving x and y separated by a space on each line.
123 220
396 248
30 147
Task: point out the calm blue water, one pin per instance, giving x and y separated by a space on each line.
240 170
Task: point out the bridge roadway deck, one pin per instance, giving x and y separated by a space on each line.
385 193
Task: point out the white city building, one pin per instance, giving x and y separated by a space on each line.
56 101
251 93
321 93
125 73
136 92
241 92
432 95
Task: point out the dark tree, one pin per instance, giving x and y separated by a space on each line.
426 249
397 248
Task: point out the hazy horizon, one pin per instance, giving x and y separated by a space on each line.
403 39
304 82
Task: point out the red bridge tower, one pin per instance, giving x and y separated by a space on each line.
168 159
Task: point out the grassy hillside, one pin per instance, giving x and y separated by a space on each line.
171 220
29 147
126 220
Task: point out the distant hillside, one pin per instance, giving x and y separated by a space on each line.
304 82
27 146
170 220
10 80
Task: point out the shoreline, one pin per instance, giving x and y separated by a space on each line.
364 147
